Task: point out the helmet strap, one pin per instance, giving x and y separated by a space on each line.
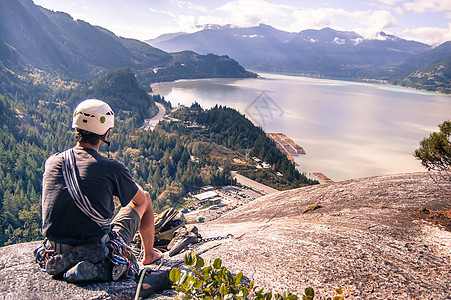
108 143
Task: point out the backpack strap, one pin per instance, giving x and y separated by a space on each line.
80 200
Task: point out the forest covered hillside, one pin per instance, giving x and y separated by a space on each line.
433 77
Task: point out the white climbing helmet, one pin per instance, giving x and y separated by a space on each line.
94 116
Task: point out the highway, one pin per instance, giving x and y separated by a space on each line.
151 123
256 186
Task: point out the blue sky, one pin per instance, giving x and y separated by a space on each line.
428 21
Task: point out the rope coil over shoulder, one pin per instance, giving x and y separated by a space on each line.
80 200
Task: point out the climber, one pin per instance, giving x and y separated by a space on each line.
77 201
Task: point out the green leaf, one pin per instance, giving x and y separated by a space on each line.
292 297
217 263
199 261
206 270
223 289
197 283
211 284
238 278
309 292
190 276
251 285
244 291
230 277
189 258
183 279
174 276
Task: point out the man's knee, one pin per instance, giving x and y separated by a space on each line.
148 201
143 207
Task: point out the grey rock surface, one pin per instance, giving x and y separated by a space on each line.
363 237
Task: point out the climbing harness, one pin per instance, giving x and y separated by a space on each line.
122 257
43 253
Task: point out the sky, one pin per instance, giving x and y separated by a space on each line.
427 21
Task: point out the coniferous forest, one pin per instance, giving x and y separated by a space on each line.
173 159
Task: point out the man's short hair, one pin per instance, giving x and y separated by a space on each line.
84 136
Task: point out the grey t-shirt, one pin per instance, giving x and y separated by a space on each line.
100 179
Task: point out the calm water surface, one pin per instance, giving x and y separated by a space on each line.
347 129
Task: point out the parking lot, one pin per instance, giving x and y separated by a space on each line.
232 197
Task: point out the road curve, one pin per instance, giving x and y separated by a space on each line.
151 123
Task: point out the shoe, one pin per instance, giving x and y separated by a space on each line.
60 263
81 272
56 265
185 237
155 282
90 252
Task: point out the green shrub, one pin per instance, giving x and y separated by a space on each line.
210 280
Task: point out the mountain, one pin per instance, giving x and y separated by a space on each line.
434 77
421 60
252 46
34 37
325 52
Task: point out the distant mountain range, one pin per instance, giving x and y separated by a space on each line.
34 37
325 52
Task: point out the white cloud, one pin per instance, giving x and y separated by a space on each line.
187 22
390 5
162 12
250 13
357 41
187 5
398 10
315 18
374 22
430 35
205 20
390 2
420 6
